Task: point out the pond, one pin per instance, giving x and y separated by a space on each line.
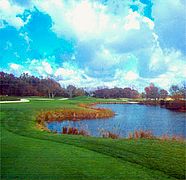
128 118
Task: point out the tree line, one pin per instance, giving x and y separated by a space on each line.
176 92
27 85
116 93
150 92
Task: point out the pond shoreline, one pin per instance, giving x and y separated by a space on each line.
122 102
173 105
41 120
128 119
88 112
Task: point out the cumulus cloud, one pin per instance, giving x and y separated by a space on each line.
9 13
62 72
40 67
114 45
15 66
47 68
131 76
17 69
170 23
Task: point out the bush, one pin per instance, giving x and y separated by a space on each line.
108 134
74 131
141 134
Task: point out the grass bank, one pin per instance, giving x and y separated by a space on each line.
28 153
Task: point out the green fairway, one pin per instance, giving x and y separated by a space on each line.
28 153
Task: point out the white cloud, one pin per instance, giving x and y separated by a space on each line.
132 21
116 31
149 22
87 19
40 67
84 19
169 59
115 45
166 80
170 23
74 77
46 67
26 38
64 72
105 58
16 69
90 19
157 59
126 76
14 66
9 12
131 76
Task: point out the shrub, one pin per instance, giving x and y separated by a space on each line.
108 134
74 131
141 134
64 130
172 138
83 133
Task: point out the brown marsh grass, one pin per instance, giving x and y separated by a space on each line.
141 134
148 135
74 131
84 112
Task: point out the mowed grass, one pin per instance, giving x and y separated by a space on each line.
28 153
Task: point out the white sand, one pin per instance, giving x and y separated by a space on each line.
20 101
43 99
133 102
62 99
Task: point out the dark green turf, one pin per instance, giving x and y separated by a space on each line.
27 153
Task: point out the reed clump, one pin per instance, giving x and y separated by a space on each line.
74 131
108 134
148 135
165 137
85 112
141 134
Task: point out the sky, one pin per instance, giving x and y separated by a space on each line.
95 43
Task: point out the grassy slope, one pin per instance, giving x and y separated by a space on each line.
28 153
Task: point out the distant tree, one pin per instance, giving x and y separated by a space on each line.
7 83
71 90
183 90
79 92
62 92
178 92
134 94
174 89
143 95
152 92
127 92
163 93
116 93
52 88
27 85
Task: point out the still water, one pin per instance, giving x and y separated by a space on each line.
128 118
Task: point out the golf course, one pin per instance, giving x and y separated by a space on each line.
29 152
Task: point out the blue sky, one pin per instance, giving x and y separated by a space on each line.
91 43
